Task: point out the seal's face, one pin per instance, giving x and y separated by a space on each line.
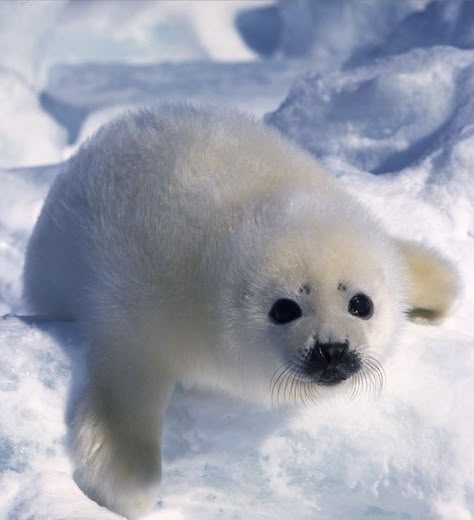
327 338
321 310
326 362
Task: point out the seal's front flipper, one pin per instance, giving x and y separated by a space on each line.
115 428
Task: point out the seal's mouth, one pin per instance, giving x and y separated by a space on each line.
332 376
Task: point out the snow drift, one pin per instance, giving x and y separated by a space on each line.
138 31
28 136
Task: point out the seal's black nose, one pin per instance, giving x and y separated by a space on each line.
331 363
331 352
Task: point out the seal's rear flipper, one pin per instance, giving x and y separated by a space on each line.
433 283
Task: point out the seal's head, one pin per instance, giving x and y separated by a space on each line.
320 300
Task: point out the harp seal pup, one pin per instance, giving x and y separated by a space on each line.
199 245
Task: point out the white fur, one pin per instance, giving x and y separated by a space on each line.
169 236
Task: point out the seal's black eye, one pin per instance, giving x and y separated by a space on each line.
361 306
284 311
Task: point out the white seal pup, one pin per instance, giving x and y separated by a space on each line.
198 245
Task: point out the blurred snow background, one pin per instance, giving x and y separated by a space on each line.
382 94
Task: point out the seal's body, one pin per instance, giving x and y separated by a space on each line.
200 246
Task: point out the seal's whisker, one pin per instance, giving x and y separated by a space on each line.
304 394
275 381
284 384
291 381
373 374
312 393
287 382
355 385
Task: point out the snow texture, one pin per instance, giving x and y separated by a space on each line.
76 93
382 95
44 140
138 31
411 111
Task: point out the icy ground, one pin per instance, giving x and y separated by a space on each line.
387 105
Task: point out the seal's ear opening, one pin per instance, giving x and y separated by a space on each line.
433 284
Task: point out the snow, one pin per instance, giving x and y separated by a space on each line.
138 31
76 93
408 112
336 32
20 108
382 96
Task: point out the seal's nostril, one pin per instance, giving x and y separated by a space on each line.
332 352
325 354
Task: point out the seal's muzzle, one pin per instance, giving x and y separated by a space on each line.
331 363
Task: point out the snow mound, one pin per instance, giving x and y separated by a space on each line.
438 23
28 136
74 92
332 34
413 110
24 30
67 31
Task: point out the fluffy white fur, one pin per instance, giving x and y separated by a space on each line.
168 236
